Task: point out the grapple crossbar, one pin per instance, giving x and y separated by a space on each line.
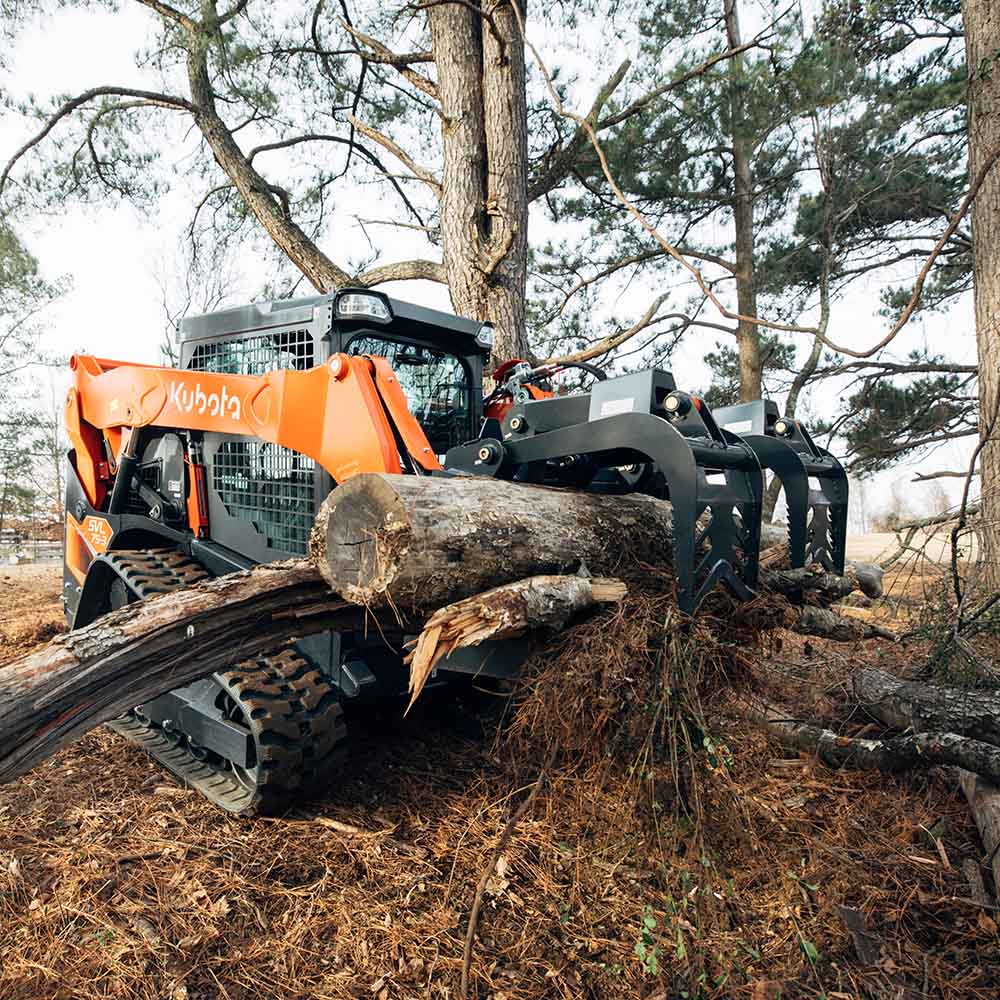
814 481
638 433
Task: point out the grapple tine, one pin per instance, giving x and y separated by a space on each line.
814 481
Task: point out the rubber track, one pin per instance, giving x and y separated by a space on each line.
293 712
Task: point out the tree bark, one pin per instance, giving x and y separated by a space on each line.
829 625
984 802
982 32
57 693
910 705
505 612
484 200
815 579
748 334
419 543
893 754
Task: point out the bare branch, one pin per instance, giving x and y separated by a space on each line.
422 173
233 11
926 477
617 339
170 13
407 270
643 102
562 160
918 288
378 53
366 153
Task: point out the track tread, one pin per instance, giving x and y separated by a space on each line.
292 711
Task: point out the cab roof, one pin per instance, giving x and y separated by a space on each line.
321 310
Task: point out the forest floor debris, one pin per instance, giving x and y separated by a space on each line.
727 874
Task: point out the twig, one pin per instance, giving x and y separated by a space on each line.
477 905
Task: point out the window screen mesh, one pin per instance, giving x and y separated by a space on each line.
255 354
270 486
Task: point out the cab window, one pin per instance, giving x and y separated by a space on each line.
436 385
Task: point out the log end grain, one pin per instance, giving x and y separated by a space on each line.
361 532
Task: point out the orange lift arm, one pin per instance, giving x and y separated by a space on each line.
342 414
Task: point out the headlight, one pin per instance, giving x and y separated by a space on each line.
484 336
357 305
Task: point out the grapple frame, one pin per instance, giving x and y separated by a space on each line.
638 433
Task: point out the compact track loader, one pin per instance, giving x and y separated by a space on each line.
180 474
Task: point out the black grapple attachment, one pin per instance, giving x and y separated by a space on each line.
815 482
639 433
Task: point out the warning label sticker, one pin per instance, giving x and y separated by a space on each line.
612 407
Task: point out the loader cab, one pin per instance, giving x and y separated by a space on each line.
438 357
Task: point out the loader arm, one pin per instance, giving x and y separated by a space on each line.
348 414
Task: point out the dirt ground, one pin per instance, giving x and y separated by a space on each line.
116 882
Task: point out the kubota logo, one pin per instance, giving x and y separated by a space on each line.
216 404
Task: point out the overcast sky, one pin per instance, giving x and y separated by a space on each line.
118 260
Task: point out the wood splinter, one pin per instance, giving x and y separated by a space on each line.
504 613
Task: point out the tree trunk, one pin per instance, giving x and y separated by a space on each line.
911 705
748 334
982 36
484 199
419 543
57 693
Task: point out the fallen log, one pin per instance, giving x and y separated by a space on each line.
840 628
424 542
816 580
911 705
983 797
505 613
88 676
891 754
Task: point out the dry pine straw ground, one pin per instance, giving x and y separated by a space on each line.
115 882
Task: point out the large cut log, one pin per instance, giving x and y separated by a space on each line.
421 543
91 675
424 542
912 705
505 612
